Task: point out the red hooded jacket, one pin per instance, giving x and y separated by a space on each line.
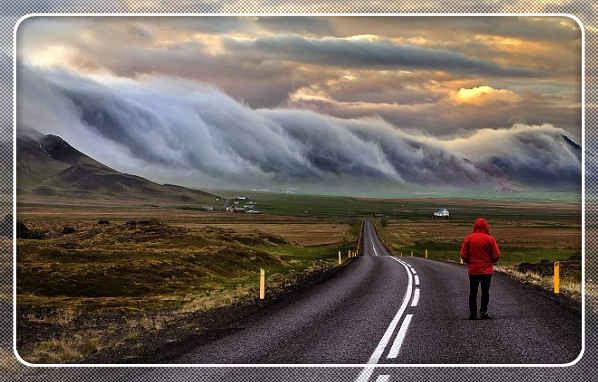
479 249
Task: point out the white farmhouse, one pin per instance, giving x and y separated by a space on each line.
441 213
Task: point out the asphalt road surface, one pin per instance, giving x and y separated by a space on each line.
382 309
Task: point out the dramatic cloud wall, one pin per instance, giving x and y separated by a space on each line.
183 131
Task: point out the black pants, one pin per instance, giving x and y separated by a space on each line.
474 281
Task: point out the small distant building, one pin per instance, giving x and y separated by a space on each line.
253 212
441 213
378 214
207 208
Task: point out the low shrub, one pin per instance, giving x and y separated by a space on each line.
68 229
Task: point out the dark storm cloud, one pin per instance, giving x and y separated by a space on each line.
170 46
301 25
197 132
213 24
525 27
252 80
359 53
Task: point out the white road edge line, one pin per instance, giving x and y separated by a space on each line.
374 248
367 372
396 346
415 297
383 378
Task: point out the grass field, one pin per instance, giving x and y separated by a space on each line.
519 240
336 207
105 286
151 265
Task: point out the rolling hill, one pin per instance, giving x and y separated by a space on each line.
48 166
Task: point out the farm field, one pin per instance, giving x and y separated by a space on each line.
520 240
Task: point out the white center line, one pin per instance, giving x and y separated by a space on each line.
367 372
415 297
383 378
396 346
416 280
374 248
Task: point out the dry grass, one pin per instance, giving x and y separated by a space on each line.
313 234
567 286
300 230
108 285
72 347
62 317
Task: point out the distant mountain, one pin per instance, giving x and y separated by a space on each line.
48 166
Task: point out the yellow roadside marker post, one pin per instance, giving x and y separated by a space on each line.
339 257
557 267
461 259
411 253
262 283
426 253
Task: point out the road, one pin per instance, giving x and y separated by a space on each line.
382 309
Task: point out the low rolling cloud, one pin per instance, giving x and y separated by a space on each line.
195 134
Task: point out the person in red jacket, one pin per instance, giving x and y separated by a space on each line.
479 251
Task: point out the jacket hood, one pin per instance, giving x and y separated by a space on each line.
481 225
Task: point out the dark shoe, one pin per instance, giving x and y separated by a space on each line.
473 316
485 316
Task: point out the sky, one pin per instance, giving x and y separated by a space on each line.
315 104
